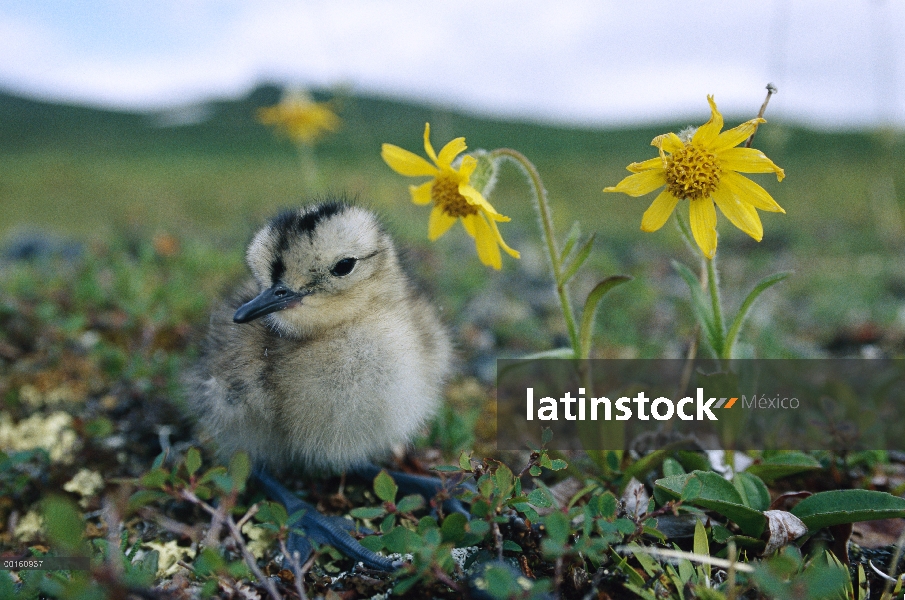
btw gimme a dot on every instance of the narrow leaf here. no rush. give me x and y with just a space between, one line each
192 461
571 238
581 255
759 289
700 305
590 309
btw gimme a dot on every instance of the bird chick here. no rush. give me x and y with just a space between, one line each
330 357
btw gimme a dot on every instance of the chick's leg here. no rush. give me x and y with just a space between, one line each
428 487
320 528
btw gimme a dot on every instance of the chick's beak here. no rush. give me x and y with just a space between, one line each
276 298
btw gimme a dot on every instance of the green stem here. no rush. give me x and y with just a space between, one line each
546 219
713 287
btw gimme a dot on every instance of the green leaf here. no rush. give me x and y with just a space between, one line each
453 528
385 487
607 505
558 527
571 239
586 328
546 436
465 461
366 512
691 490
784 464
478 527
192 461
753 491
144 497
672 467
401 540
581 255
759 289
504 480
535 471
824 509
700 305
64 523
154 479
555 353
540 498
511 546
240 469
701 546
558 464
410 503
717 495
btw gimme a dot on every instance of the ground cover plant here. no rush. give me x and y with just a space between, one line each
139 222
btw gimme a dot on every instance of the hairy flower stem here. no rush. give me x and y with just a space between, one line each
713 286
546 220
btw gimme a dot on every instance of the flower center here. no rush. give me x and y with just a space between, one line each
692 173
445 194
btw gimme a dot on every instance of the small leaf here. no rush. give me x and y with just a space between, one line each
558 465
581 255
511 546
540 498
366 512
465 461
192 461
558 526
699 305
701 546
535 471
672 467
154 479
759 289
691 490
571 238
546 436
478 527
410 503
847 506
453 528
240 469
64 523
591 305
607 505
144 497
504 480
385 487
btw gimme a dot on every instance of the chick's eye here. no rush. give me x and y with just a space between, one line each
343 267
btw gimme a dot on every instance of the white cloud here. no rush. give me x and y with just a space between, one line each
575 60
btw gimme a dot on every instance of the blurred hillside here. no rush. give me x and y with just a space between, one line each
213 173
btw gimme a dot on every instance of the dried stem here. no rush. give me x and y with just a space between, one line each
771 89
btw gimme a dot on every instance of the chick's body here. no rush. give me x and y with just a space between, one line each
346 359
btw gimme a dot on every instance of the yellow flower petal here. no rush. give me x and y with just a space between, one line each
669 142
421 194
652 163
740 213
749 160
708 132
640 183
499 239
475 198
450 151
469 225
427 143
406 163
439 223
469 164
703 225
751 192
735 136
488 250
655 216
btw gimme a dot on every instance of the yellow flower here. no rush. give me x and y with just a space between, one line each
453 195
705 170
302 119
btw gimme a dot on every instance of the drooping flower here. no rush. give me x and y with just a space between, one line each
302 119
704 168
453 195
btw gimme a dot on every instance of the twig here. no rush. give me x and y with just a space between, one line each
293 559
771 89
699 558
236 534
497 540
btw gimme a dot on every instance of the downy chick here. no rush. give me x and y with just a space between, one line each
330 357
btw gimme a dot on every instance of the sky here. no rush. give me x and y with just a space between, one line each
836 63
